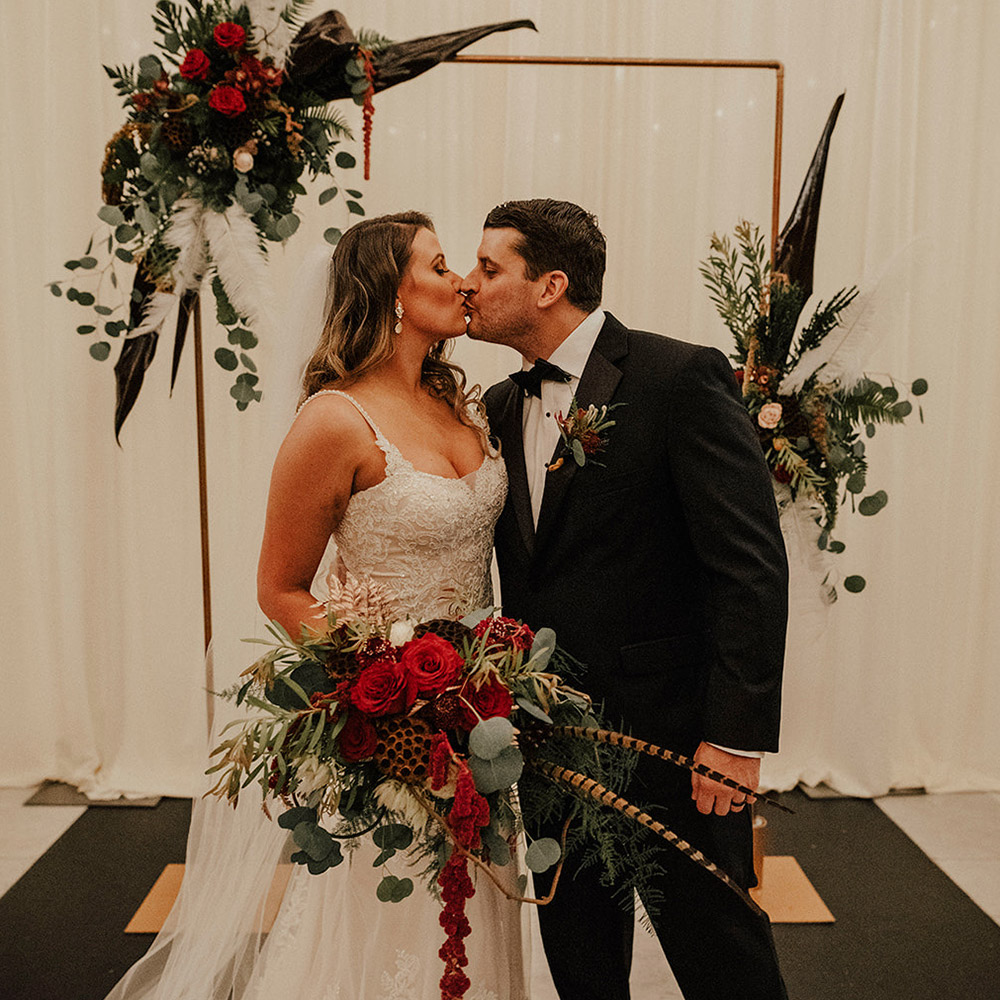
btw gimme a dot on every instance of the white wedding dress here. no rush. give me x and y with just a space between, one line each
429 540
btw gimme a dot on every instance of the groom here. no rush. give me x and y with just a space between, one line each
660 565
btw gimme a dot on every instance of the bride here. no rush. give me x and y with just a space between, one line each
390 455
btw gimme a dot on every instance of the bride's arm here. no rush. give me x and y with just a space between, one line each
310 486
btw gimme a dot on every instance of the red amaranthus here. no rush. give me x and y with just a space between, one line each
469 812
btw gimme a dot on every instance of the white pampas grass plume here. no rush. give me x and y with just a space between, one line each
184 232
241 263
845 349
155 314
270 32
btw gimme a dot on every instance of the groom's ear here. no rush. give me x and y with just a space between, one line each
554 286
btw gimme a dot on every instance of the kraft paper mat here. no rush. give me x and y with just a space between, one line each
785 894
153 910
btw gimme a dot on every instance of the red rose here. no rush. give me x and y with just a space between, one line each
195 66
358 738
738 375
229 36
227 100
381 689
491 699
433 663
782 474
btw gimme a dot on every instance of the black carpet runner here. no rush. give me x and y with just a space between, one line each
904 931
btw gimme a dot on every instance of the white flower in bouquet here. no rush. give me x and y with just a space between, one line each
401 632
312 774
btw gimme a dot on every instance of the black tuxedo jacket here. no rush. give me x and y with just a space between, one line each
663 570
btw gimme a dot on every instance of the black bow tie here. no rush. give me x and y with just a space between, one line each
541 371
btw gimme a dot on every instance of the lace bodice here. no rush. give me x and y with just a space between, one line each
427 538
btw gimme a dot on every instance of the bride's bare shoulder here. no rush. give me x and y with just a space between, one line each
328 420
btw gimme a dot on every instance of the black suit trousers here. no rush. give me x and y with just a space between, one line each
718 949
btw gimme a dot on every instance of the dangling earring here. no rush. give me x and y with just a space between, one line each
398 328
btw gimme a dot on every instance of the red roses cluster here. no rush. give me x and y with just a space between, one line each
249 79
426 669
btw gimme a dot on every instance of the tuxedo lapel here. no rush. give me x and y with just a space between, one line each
597 385
511 437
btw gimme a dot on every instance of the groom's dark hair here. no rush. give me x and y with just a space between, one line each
557 236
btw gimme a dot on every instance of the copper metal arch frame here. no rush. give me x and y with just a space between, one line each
767 64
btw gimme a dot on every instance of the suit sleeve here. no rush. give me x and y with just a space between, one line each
725 491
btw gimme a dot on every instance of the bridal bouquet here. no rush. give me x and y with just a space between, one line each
414 733
403 731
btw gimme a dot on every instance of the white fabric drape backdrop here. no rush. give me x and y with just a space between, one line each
100 587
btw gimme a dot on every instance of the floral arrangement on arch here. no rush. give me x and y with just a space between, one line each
812 405
205 173
415 733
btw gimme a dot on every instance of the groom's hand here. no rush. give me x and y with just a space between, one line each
709 796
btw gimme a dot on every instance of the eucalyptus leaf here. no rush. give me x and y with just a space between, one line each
88 262
100 350
473 618
268 192
145 218
226 359
103 310
919 387
86 329
287 225
498 847
353 193
344 160
902 409
491 737
533 710
542 854
854 584
126 255
869 430
332 235
355 208
542 648
297 814
328 195
499 773
85 298
111 214
394 890
856 482
149 167
836 547
393 836
873 504
55 289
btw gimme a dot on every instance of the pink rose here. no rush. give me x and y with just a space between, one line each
769 416
228 35
432 663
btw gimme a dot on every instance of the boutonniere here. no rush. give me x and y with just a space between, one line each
583 432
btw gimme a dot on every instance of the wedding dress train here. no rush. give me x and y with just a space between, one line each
429 540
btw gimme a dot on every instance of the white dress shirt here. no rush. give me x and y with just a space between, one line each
540 430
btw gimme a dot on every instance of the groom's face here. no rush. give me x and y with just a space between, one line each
501 301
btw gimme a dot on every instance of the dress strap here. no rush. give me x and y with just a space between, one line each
391 452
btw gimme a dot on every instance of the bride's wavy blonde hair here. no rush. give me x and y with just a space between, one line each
365 271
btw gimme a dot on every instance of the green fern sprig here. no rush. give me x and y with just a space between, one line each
825 318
